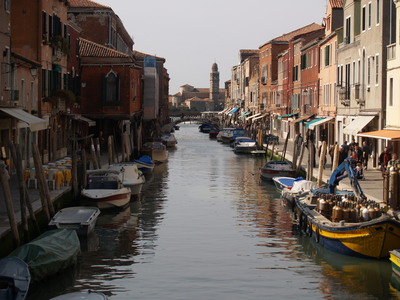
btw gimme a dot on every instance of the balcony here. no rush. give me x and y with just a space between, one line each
391 51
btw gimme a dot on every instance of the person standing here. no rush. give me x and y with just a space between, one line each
366 152
384 158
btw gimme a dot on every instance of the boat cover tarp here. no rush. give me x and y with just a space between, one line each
303 185
50 253
146 159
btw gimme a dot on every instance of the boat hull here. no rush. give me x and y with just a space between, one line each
104 199
371 239
395 260
80 219
277 169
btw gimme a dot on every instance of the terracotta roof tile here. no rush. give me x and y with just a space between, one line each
336 3
85 3
91 49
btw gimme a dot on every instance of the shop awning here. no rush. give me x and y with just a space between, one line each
287 116
357 125
35 123
260 117
246 113
234 110
308 124
301 119
228 111
319 121
223 111
253 116
384 134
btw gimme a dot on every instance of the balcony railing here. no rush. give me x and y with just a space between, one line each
391 51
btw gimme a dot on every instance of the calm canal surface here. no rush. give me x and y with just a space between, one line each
206 228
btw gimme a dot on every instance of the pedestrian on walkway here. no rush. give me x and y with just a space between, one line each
366 152
384 158
343 154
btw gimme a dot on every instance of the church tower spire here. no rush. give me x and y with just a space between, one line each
214 84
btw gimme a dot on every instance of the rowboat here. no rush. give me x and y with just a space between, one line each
14 278
277 168
50 253
80 218
282 182
156 150
105 189
145 164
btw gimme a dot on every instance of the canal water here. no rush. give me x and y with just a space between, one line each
206 228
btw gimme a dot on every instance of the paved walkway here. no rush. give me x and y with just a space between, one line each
372 186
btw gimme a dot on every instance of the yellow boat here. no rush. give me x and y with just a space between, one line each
373 236
395 259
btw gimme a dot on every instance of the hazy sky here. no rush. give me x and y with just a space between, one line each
192 35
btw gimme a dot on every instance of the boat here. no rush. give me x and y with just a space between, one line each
145 164
156 150
350 225
89 295
213 133
286 182
226 135
80 218
298 188
277 168
169 140
105 189
395 261
244 144
50 253
130 176
206 127
14 278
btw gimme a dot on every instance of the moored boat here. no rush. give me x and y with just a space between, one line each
105 189
14 278
169 140
156 150
282 182
80 218
130 176
244 144
50 253
395 261
145 164
348 224
277 168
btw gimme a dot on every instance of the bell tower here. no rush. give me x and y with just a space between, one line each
214 84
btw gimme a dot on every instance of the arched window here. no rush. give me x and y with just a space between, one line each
111 88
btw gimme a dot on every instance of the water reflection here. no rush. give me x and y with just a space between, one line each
206 227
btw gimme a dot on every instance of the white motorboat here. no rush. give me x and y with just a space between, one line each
105 189
80 218
169 140
130 176
244 144
226 135
156 150
277 168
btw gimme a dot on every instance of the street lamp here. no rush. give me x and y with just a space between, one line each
34 71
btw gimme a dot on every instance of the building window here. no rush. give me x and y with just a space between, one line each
295 76
111 88
327 55
378 11
44 26
354 72
7 5
348 30
391 92
369 15
377 69
369 71
363 15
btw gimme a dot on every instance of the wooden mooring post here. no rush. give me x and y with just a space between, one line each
5 183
